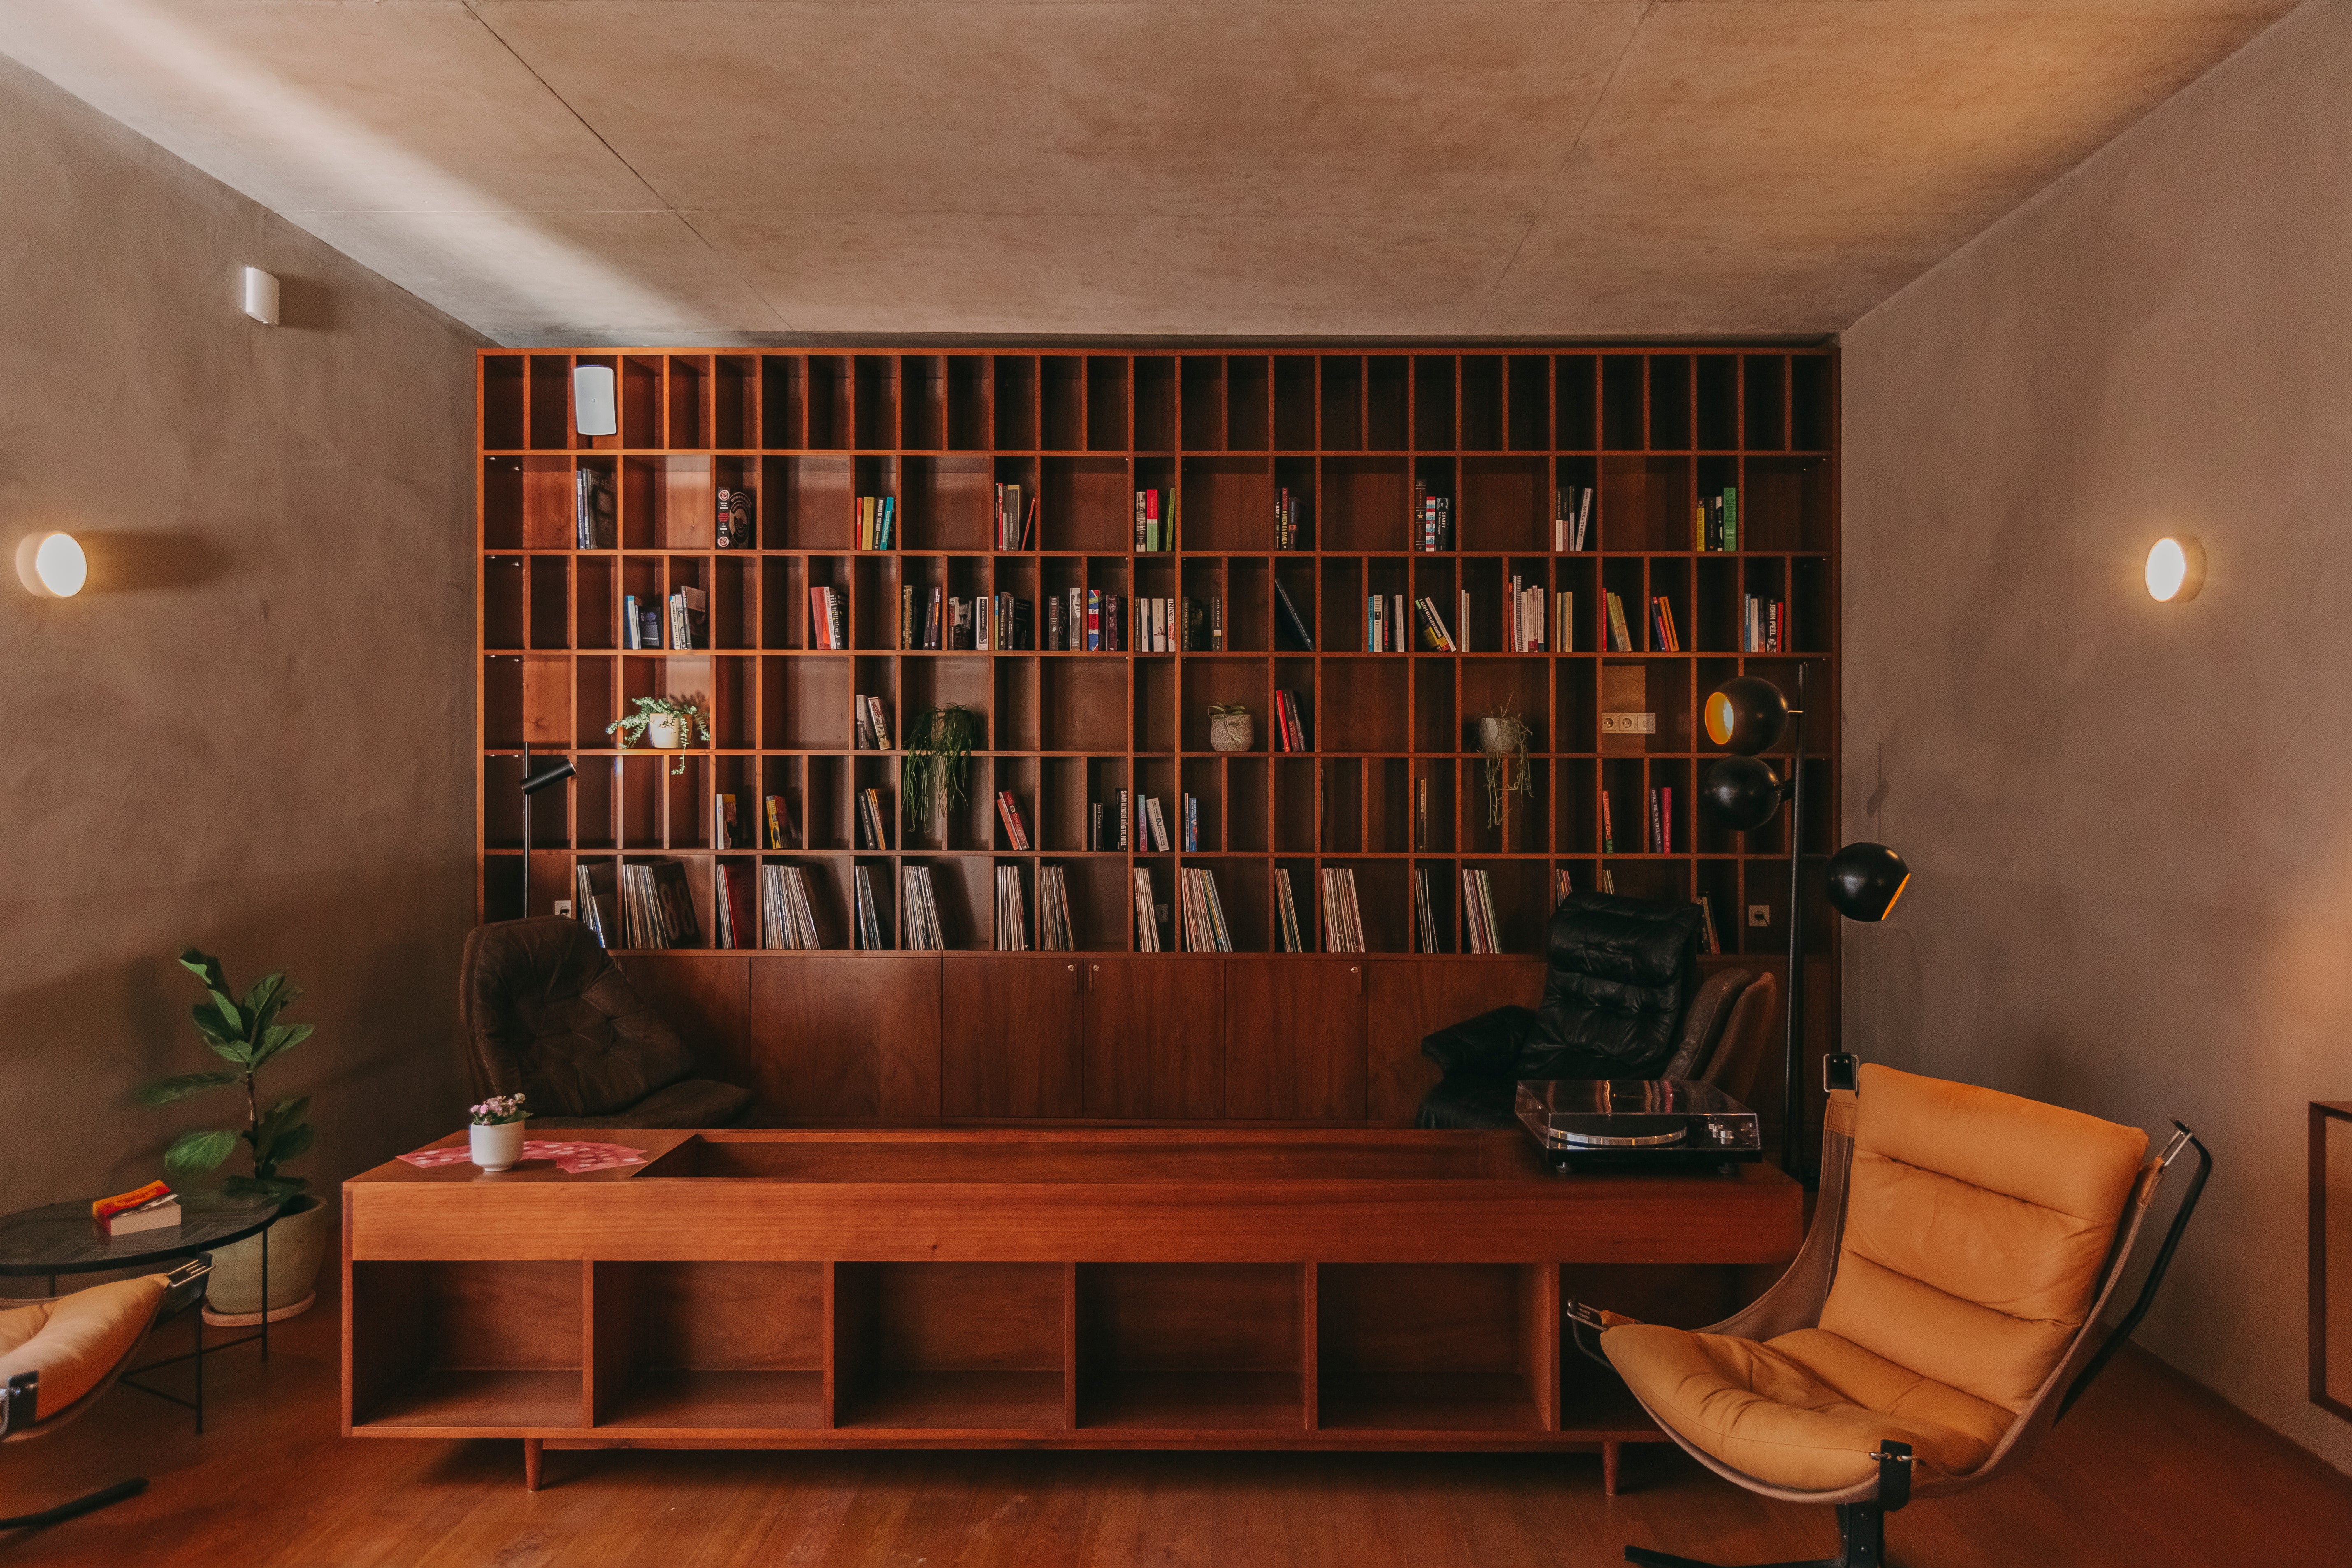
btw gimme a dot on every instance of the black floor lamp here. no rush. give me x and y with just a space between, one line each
1748 714
552 772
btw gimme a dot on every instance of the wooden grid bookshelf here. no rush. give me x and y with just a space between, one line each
1498 431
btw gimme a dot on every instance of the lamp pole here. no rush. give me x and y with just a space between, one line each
1792 1087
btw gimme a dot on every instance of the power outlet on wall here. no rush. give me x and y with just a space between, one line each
1759 914
563 906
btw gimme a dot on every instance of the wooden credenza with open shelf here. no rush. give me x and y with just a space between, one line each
1068 1288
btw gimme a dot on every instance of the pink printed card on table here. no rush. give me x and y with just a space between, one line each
576 1159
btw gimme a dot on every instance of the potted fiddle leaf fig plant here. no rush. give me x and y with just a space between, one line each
247 1036
664 723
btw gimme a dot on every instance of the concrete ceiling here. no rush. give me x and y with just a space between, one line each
719 171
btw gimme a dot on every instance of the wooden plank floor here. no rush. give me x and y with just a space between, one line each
2149 1472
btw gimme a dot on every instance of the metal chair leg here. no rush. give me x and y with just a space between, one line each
79 1506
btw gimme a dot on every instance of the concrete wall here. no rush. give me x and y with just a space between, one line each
2131 823
251 733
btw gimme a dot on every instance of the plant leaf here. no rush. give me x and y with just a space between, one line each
171 1089
233 1050
196 1154
229 1016
292 1143
204 967
278 1187
278 1037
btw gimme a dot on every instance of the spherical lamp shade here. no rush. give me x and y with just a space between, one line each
1746 715
1865 880
1742 793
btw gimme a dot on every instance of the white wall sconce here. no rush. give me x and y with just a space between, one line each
593 411
262 296
2176 569
52 566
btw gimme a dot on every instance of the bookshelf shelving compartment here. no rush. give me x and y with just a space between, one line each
1350 432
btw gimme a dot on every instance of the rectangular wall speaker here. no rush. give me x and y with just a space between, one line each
593 411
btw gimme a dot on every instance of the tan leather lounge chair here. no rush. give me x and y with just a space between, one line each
59 1355
1940 1316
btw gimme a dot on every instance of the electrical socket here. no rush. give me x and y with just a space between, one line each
563 906
1759 914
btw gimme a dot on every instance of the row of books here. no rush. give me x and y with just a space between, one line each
923 932
1147 913
593 515
682 622
1053 910
1343 923
1763 625
865 913
1085 620
1478 913
828 619
1289 724
1433 518
1425 937
1204 917
1286 519
636 905
1285 908
1660 824
1012 914
877 523
1525 628
1664 635
1718 523
1016 525
787 916
1571 517
931 619
1155 519
873 724
872 826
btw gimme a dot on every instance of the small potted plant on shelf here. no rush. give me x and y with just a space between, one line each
664 723
496 1130
247 1034
939 759
1503 740
1230 728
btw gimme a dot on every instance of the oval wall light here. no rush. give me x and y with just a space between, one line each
52 566
2176 569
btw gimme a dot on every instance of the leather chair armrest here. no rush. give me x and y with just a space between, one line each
1487 1046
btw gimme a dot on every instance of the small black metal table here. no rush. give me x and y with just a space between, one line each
62 1239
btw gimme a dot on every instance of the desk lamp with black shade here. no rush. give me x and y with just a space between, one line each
1748 714
552 772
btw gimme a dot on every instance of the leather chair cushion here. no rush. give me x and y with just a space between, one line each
1977 1226
75 1340
1804 1411
1703 1025
552 1015
1618 980
690 1102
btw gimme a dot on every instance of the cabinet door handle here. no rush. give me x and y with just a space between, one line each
1358 971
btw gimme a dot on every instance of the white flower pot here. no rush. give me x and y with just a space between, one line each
298 1246
497 1148
662 732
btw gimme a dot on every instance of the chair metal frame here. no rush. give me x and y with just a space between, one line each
22 1418
1795 1302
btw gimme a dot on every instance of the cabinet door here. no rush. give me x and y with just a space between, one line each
1155 1037
1295 1039
1009 1035
848 1039
1406 998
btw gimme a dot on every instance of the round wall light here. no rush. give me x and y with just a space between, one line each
52 566
2176 569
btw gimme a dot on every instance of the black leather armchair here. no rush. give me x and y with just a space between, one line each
549 1013
1621 1000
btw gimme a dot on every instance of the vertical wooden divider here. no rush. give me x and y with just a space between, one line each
830 1416
1539 1330
1070 1347
612 1315
1311 1347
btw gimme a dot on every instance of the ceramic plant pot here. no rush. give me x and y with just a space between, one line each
1496 735
497 1147
298 1246
662 732
1232 731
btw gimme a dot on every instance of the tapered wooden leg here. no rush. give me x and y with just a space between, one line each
1608 1452
531 1449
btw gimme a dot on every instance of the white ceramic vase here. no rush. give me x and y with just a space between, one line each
662 732
497 1148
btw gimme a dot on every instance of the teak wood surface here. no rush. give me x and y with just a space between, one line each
1069 1286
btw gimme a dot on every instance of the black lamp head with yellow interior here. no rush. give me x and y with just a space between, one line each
1747 714
1865 880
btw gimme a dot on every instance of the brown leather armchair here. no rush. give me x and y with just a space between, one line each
1943 1312
548 1013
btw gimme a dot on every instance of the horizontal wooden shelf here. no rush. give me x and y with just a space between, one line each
1182 1402
955 1401
674 1400
440 1402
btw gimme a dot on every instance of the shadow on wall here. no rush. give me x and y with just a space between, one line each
126 561
384 1069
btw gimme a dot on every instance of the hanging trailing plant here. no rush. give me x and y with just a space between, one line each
1502 737
939 759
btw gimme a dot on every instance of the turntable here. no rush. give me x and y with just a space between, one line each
1652 1125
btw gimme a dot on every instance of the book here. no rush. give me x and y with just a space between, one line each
1147 923
724 833
1604 880
870 819
876 722
1706 924
1478 913
1053 910
734 530
923 910
775 804
1203 916
1286 910
1424 912
1562 885
1012 912
1289 620
596 900
1157 837
1289 724
735 901
1434 629
1008 811
828 619
1343 923
1571 516
1608 827
592 507
1217 624
1192 825
1094 825
1621 635
152 1207
1010 517
1123 820
633 624
658 906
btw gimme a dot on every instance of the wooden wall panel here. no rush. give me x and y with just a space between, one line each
1408 998
1294 1039
708 1001
849 1038
1011 1028
1154 1037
